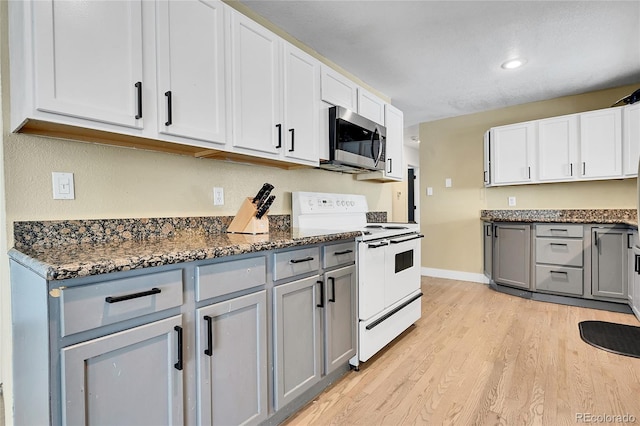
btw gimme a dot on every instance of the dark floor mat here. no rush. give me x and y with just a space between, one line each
617 338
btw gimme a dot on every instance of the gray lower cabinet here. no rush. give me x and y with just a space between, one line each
559 263
297 308
131 377
512 255
232 361
487 239
609 263
340 312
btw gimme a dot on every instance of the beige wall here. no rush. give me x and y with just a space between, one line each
453 148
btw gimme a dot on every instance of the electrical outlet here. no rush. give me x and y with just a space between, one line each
63 188
218 196
512 201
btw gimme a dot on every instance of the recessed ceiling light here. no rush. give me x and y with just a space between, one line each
513 63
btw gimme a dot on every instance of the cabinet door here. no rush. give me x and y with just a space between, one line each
601 143
131 377
631 139
301 104
340 317
337 89
558 148
631 264
512 255
88 60
394 150
256 92
635 305
297 309
486 176
609 263
512 149
232 361
190 55
370 106
488 248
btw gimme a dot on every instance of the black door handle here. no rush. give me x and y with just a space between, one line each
139 94
279 126
169 121
209 350
333 289
321 304
178 365
293 134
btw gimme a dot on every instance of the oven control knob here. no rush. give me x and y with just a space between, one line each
353 203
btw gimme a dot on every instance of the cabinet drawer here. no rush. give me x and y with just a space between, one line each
95 305
296 262
339 254
559 279
228 277
560 230
559 251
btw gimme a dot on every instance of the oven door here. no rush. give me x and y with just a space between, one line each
402 269
371 264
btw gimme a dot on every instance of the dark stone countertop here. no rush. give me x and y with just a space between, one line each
85 259
604 216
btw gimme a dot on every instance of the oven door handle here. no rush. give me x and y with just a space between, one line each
405 240
382 244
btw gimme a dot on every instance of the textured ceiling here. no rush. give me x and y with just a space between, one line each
438 59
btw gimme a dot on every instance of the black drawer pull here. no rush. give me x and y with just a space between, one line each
559 272
209 350
169 121
558 244
321 304
139 94
333 290
306 259
178 365
116 299
338 253
559 230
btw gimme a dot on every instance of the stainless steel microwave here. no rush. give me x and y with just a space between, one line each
356 143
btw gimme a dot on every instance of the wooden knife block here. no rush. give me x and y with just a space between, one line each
246 222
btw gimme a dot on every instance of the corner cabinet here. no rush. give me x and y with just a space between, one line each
87 62
512 255
631 139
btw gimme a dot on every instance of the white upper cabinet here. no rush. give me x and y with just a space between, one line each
88 60
601 143
338 90
255 86
558 148
190 69
301 104
631 139
394 152
370 106
512 149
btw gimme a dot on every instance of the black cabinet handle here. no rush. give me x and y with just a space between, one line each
558 244
178 365
529 172
637 266
571 168
279 126
321 304
169 121
559 272
293 135
338 253
559 230
306 259
390 165
139 94
488 230
209 350
116 299
333 289
584 168
629 246
484 176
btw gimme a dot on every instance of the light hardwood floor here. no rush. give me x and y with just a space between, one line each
481 357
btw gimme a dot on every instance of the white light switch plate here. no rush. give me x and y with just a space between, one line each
447 182
512 201
63 187
429 191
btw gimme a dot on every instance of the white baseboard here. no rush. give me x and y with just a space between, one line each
454 275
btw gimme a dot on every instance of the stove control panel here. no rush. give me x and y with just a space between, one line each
323 203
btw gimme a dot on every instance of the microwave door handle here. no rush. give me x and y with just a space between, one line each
375 164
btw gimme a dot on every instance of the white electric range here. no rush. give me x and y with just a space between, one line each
388 264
